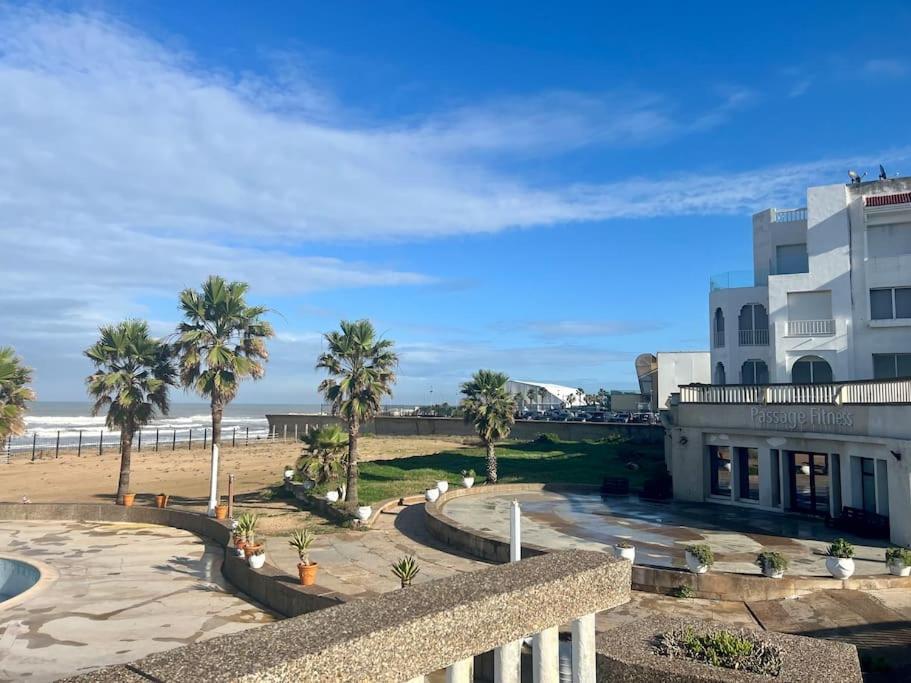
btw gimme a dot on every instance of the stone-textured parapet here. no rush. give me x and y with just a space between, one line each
626 654
400 635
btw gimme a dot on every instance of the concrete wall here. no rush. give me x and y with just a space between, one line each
676 368
523 430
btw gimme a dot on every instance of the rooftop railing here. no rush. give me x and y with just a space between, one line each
733 279
790 215
863 392
405 635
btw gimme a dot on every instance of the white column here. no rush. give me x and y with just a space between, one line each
545 656
784 475
459 672
213 481
417 679
515 532
583 630
507 663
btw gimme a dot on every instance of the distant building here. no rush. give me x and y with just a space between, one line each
663 374
544 396
626 402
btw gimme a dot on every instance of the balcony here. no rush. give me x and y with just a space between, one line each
864 392
790 215
811 328
758 337
733 279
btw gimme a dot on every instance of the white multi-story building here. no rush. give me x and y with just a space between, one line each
830 293
809 411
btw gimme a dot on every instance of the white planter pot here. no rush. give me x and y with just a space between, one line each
467 482
289 474
443 486
364 512
772 573
694 565
431 495
840 568
332 496
899 569
257 561
625 553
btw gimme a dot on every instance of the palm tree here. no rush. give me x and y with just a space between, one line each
14 393
542 394
491 408
361 370
133 372
532 396
221 342
322 462
570 400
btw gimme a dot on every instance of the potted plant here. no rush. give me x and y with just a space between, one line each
332 496
221 511
899 561
840 561
699 558
301 540
129 499
771 564
241 527
443 485
161 500
289 473
625 551
364 512
431 495
257 558
468 478
406 569
248 522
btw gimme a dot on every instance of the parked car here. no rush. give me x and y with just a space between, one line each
578 417
598 416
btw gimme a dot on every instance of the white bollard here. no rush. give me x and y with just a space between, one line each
583 631
507 663
213 482
459 672
515 532
545 656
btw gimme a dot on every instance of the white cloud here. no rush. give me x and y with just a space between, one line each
886 68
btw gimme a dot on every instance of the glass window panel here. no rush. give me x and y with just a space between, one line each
883 365
746 318
903 363
822 372
801 373
748 464
880 304
762 373
792 258
720 470
903 302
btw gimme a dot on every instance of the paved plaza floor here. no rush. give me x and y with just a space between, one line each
123 591
661 531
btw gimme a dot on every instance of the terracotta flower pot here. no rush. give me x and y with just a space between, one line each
221 512
129 499
250 548
239 545
161 500
307 573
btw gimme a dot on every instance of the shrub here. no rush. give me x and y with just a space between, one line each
899 555
681 592
301 540
841 549
468 473
774 561
547 437
406 569
624 544
703 553
741 651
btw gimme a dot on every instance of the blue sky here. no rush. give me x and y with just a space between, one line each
538 188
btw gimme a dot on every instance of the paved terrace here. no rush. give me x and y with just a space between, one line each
661 531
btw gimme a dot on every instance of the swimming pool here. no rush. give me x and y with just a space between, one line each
16 577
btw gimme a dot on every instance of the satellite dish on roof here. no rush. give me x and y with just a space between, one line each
855 179
882 173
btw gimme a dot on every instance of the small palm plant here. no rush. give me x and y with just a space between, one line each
324 460
246 527
14 393
491 409
301 540
406 569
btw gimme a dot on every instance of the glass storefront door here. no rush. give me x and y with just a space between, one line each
809 482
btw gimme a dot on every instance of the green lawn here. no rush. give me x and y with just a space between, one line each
583 462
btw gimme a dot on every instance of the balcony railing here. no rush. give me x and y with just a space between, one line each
758 337
733 279
894 391
790 215
811 328
408 634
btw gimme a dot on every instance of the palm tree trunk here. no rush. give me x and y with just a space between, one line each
126 447
218 410
491 463
351 488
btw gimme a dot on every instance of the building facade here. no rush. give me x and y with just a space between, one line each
544 396
661 375
808 411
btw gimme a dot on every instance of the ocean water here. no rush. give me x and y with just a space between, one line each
46 420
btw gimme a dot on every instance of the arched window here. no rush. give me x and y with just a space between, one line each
753 326
718 328
719 374
754 372
811 370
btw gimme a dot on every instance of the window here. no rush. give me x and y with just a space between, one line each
720 470
811 370
748 473
892 239
890 303
718 330
792 258
891 365
753 325
754 372
868 484
719 374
